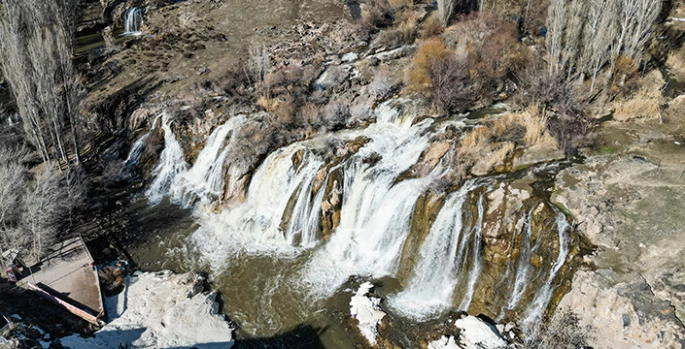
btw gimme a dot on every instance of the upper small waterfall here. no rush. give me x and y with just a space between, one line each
133 21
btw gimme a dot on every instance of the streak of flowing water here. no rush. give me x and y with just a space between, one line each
431 287
139 144
475 267
537 308
133 20
523 268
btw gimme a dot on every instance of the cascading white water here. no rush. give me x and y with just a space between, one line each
376 212
431 288
171 163
204 179
254 225
281 214
523 268
133 21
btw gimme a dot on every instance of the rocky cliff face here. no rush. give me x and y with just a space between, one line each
629 204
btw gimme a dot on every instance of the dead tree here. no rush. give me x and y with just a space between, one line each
36 51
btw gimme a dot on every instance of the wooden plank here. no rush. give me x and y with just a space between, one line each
72 309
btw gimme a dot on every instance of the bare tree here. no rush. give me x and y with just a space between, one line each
446 9
36 50
33 207
12 175
584 35
43 204
598 36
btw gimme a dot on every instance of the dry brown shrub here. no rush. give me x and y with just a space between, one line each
403 34
285 110
418 75
400 4
229 74
382 83
375 14
310 114
645 104
431 26
451 88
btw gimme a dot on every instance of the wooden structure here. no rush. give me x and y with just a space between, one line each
67 277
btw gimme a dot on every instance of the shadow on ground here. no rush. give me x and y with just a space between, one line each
301 337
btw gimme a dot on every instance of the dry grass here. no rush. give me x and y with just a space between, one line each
489 146
400 4
418 75
645 104
431 26
403 34
676 62
533 127
475 138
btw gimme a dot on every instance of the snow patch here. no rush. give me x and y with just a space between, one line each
367 311
444 343
477 334
160 310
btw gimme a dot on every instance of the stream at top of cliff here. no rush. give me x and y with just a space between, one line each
324 214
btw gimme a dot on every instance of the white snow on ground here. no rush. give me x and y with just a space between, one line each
476 334
444 343
367 311
160 310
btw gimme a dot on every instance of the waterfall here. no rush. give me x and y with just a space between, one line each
376 212
254 225
171 163
430 290
539 305
133 20
204 179
279 187
523 268
139 145
475 266
281 216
